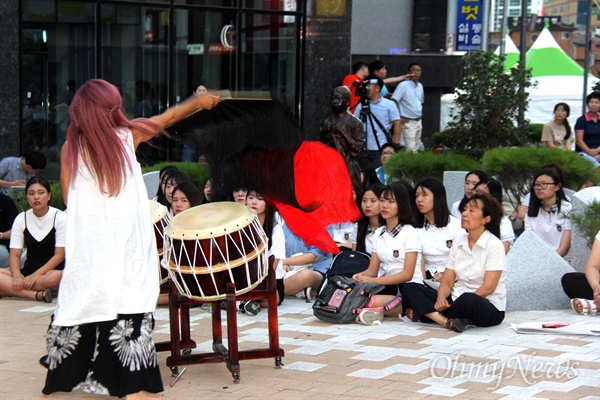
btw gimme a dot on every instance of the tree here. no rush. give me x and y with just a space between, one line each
486 115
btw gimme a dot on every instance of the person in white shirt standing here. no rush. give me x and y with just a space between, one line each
409 96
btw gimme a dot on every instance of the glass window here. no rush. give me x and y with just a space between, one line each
279 5
56 59
217 3
134 57
270 56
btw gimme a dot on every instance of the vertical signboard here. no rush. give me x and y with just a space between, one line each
469 25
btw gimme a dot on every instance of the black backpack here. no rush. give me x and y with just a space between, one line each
341 299
348 263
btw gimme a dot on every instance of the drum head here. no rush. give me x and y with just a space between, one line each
157 210
210 220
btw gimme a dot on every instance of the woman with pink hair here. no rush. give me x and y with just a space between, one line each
100 337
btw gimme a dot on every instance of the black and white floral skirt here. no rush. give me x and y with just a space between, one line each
114 358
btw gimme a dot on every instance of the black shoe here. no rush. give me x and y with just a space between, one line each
457 324
251 307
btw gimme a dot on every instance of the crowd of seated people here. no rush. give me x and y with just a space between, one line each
410 233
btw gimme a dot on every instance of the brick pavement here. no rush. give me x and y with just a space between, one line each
394 360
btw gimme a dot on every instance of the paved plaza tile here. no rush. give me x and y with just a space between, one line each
396 360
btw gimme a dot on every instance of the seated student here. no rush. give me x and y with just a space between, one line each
8 213
494 188
160 192
42 231
362 234
524 206
266 216
584 288
185 196
207 192
473 288
548 211
471 180
437 229
15 170
387 150
298 253
239 195
396 252
171 180
558 133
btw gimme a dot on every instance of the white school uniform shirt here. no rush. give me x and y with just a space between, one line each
470 266
454 210
277 249
507 233
391 248
368 238
550 225
342 233
436 244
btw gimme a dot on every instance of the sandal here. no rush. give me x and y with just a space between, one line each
457 325
410 314
46 295
588 307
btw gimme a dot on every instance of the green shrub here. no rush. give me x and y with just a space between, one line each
588 221
198 173
516 167
414 167
444 138
534 133
57 196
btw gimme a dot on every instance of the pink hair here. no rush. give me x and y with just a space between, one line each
96 114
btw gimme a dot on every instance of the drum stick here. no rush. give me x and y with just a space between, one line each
178 376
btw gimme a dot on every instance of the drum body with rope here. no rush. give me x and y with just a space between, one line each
209 246
161 219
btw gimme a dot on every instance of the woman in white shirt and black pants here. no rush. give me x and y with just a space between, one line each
473 288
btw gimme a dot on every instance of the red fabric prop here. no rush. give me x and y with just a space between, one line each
324 193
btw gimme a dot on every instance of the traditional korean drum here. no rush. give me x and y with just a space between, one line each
161 219
209 246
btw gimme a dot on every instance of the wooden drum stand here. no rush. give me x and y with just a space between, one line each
181 342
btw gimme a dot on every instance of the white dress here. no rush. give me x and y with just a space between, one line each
110 250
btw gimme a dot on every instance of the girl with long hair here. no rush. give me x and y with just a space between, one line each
160 192
471 180
185 196
170 181
266 216
437 229
41 230
548 212
558 132
494 189
362 235
110 284
396 254
472 290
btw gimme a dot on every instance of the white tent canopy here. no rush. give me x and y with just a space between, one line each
545 55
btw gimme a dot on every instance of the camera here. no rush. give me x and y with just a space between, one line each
362 88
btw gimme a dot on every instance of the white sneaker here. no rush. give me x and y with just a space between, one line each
368 317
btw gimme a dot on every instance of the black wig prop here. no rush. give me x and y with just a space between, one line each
257 143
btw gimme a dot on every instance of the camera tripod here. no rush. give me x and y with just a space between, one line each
367 118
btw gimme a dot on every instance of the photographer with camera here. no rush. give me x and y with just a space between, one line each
381 119
360 71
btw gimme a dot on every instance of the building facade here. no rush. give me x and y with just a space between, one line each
156 52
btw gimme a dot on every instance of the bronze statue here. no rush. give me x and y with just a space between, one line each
345 133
